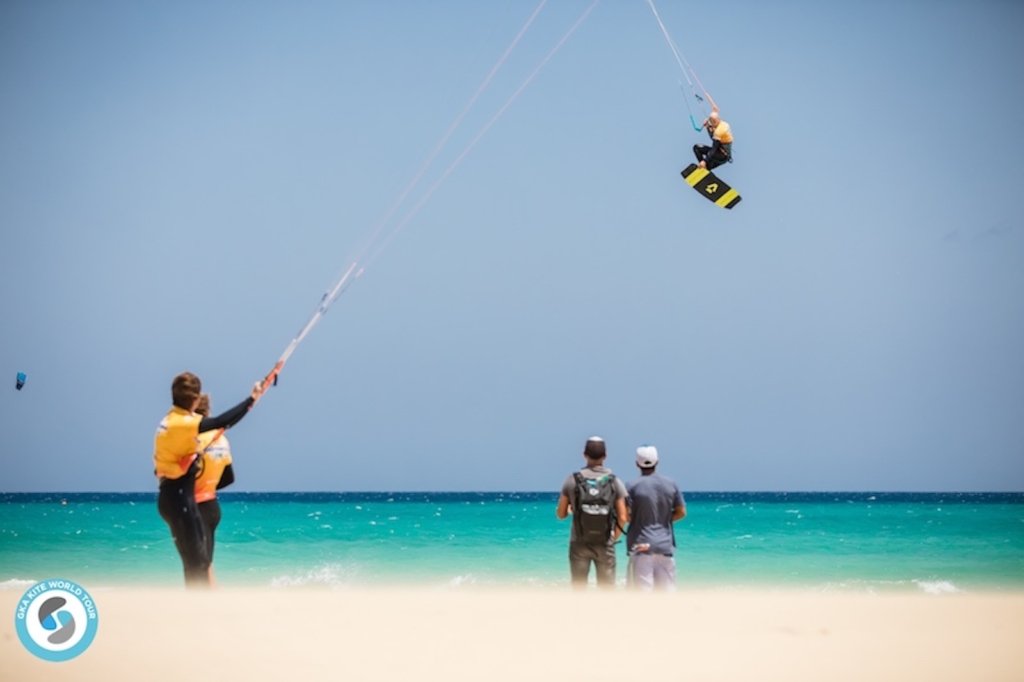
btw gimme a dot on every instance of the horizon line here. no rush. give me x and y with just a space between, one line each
522 492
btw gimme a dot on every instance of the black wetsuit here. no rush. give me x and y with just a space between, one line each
178 508
209 514
209 511
715 155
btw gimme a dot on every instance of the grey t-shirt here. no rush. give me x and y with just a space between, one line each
569 490
652 500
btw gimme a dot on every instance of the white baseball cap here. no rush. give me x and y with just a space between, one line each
647 456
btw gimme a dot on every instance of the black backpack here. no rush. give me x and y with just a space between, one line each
594 514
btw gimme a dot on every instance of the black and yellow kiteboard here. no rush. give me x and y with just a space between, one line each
707 184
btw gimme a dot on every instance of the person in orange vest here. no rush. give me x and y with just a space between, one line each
215 472
176 462
720 150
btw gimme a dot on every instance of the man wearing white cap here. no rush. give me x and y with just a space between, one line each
655 504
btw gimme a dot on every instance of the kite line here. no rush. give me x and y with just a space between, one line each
687 70
359 264
483 131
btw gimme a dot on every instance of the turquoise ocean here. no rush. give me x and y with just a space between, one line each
870 542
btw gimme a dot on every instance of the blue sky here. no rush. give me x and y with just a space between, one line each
181 182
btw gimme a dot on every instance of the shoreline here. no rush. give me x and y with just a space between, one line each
539 633
914 587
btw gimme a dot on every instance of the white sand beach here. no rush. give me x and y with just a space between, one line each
420 634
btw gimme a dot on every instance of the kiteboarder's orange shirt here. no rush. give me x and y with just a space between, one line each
723 133
176 442
216 456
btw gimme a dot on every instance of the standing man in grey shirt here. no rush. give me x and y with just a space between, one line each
596 498
655 504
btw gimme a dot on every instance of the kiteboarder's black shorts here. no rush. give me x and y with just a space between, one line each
703 153
209 511
177 505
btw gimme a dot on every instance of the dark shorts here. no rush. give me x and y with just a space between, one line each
703 153
603 558
177 505
209 511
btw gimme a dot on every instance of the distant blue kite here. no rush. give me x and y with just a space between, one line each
21 381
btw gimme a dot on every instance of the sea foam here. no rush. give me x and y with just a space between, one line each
331 575
937 586
16 584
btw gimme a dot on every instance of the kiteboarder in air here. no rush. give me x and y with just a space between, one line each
699 175
720 150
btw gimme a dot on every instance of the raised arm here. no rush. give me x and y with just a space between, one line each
228 419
